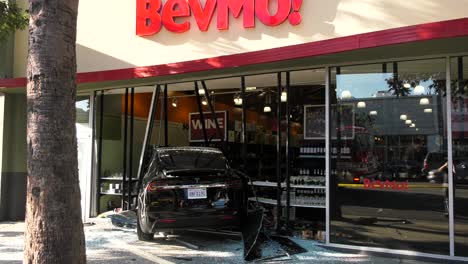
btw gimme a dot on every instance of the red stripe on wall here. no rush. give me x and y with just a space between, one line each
430 31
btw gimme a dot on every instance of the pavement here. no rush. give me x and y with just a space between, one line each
106 243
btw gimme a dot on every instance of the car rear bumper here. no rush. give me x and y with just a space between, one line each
171 222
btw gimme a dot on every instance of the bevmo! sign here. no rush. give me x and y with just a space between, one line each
152 15
196 127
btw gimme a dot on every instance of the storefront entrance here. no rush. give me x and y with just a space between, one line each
353 155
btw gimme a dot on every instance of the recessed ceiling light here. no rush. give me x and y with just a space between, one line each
424 101
267 109
403 117
428 110
408 122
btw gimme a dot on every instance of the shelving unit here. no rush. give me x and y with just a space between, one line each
283 203
115 179
273 184
304 156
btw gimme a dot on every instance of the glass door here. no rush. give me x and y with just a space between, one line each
459 87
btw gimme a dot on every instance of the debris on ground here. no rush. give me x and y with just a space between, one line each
121 219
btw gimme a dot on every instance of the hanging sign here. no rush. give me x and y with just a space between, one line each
196 127
152 15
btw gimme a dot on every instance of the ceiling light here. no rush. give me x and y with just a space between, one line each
407 85
419 89
417 129
204 102
346 94
267 109
237 100
413 125
428 110
424 101
373 113
284 97
252 88
201 91
403 117
174 102
408 122
361 105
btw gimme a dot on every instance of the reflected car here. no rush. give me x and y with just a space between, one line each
460 173
189 187
405 170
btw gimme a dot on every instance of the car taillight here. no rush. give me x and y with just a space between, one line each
356 179
153 186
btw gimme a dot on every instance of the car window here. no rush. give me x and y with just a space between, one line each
191 159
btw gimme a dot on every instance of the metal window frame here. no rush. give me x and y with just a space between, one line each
327 154
450 156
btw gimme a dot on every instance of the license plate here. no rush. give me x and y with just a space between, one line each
197 193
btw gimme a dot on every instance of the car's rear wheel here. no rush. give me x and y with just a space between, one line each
141 234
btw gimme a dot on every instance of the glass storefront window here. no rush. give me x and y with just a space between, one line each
459 87
389 145
307 150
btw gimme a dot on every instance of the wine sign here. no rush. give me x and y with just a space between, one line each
152 15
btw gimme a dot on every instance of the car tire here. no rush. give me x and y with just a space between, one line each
142 236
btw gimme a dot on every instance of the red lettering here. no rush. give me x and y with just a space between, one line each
295 17
235 6
367 184
203 16
377 184
151 15
173 9
263 13
148 20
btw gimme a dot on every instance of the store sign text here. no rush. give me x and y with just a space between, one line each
152 15
385 185
196 133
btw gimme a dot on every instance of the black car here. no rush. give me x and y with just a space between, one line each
189 187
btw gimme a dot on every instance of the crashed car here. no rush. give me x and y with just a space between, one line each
189 187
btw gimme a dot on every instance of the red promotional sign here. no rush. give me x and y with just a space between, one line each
152 15
196 127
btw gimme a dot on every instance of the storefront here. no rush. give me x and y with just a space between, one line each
350 115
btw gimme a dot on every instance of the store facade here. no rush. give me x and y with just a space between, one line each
348 114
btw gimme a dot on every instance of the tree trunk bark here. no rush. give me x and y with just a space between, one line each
54 230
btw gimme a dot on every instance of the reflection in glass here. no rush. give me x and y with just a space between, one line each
387 178
460 152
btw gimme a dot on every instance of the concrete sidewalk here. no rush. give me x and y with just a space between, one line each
108 244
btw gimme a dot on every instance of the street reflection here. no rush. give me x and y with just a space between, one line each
390 190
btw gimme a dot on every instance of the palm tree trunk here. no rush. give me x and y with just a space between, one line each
54 231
